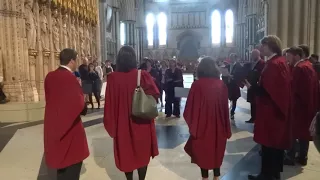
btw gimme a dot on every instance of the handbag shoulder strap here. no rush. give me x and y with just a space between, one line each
139 78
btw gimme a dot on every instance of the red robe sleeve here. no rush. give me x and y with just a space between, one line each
192 111
109 120
148 85
225 111
71 95
276 82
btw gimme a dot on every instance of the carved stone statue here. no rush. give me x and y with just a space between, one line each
44 29
55 33
65 31
88 41
82 39
30 25
73 35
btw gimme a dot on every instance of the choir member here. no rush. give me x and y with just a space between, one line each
207 116
305 92
314 58
134 139
235 81
272 125
65 142
255 69
173 78
306 52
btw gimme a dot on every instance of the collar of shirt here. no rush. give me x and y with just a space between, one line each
270 57
298 62
66 67
255 63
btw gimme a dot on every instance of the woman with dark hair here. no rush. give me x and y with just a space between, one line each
272 128
96 85
207 116
152 71
134 139
173 78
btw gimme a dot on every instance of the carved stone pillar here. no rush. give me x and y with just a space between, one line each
129 33
32 69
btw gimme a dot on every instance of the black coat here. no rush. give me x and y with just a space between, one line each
253 77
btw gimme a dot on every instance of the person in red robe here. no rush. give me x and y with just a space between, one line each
305 92
65 142
206 113
272 126
134 139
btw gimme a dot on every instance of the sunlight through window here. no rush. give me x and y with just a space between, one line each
122 33
162 26
229 26
150 24
216 27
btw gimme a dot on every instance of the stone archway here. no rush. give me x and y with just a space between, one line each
188 45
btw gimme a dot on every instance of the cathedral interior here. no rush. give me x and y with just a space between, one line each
33 32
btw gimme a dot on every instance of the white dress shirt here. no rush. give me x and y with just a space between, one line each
99 71
270 57
66 67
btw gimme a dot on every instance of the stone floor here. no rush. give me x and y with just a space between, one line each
21 146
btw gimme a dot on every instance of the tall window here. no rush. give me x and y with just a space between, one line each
216 27
150 21
122 33
162 29
229 26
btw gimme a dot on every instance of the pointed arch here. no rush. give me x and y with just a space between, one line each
150 21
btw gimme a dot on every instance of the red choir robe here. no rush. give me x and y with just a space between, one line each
207 115
65 141
272 126
305 89
134 139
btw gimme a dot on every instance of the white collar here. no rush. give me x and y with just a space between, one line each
66 67
298 62
270 57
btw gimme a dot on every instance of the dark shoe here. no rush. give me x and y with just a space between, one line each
177 116
288 162
260 177
168 115
302 162
232 115
250 121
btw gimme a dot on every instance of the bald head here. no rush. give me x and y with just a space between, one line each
255 55
85 61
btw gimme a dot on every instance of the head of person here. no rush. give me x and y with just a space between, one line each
172 63
233 58
126 59
68 57
306 51
85 61
255 55
284 51
314 58
91 67
293 55
95 63
271 45
108 63
208 68
164 64
149 63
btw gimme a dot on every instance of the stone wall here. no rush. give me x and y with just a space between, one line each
33 32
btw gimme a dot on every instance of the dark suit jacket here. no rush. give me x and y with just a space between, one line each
253 76
236 81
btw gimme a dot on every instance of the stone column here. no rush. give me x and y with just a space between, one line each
273 17
317 47
284 25
128 17
296 23
305 34
98 37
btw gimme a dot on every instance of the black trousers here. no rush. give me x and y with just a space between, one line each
70 173
253 110
97 96
205 172
176 106
142 172
272 162
233 106
300 146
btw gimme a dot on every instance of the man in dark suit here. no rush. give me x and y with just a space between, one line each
254 69
235 81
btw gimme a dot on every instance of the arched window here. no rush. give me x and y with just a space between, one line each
150 21
216 27
162 29
122 33
229 26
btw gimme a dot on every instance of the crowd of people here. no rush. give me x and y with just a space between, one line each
283 92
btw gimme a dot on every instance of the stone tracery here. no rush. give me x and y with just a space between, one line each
34 33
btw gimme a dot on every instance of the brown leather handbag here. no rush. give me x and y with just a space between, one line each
143 106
